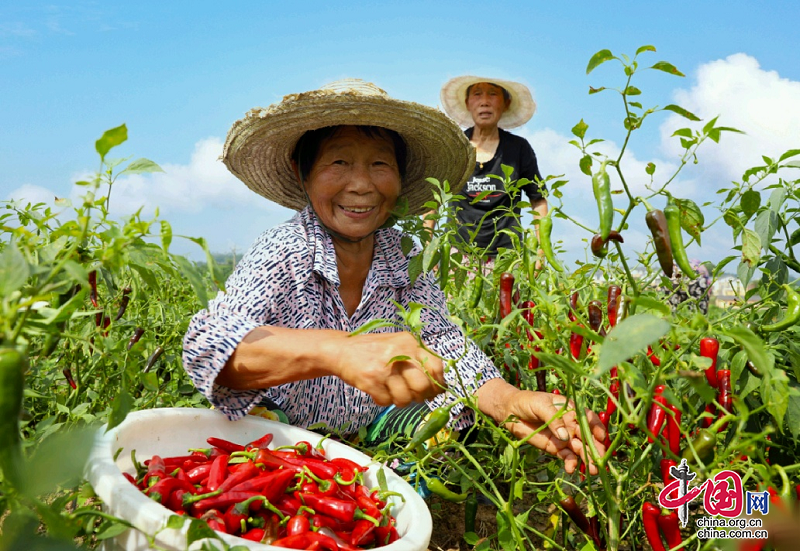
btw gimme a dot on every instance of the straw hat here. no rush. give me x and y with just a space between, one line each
454 94
259 147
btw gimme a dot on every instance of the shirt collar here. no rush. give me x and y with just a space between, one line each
389 265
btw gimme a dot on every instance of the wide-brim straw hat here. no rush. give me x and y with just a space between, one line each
454 94
258 149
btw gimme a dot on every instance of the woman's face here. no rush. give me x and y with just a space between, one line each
486 104
354 183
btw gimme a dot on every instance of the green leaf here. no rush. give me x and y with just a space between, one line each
776 200
14 269
685 132
120 407
586 165
593 90
774 391
793 411
192 274
113 530
681 111
630 336
382 480
580 129
49 467
753 346
745 272
372 325
647 48
140 166
110 139
667 68
415 268
751 201
790 153
406 244
199 530
751 248
651 303
504 534
692 218
176 522
166 235
765 226
650 169
632 91
430 254
558 361
600 57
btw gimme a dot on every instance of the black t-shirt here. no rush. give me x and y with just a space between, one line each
513 151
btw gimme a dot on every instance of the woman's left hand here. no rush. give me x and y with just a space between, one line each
552 415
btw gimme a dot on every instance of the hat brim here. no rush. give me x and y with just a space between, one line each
258 149
454 94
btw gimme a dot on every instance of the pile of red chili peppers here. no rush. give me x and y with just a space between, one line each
291 496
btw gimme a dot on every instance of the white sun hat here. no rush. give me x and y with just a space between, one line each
258 149
454 94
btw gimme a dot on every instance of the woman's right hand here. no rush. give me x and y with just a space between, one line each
365 362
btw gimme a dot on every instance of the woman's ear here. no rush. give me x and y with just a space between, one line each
296 171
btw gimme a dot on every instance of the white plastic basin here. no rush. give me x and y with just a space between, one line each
172 431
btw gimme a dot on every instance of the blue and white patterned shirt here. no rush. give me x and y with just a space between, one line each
289 278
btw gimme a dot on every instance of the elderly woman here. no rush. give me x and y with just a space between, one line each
489 106
344 156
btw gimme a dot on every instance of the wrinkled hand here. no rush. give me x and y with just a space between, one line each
561 436
363 361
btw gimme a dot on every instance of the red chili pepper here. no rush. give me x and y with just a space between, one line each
199 473
261 443
709 348
340 509
247 471
725 393
604 418
137 334
363 533
657 414
254 534
506 294
123 305
614 292
304 541
578 517
666 464
708 419
298 524
156 469
224 445
386 533
216 524
575 345
93 288
270 485
670 528
650 514
218 472
160 490
68 376
674 430
573 305
175 499
595 315
653 358
346 466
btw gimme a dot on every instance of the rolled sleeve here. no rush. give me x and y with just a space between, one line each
215 332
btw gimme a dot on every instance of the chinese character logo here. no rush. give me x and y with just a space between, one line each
722 494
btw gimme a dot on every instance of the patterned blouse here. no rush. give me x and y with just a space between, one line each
289 278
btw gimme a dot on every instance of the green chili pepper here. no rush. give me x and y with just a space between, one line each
470 512
437 487
444 265
532 250
545 229
657 223
12 369
477 291
601 186
792 314
703 444
673 215
436 422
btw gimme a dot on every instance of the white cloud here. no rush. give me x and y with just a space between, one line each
746 97
201 184
28 193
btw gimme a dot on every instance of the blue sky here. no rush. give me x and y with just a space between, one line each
180 73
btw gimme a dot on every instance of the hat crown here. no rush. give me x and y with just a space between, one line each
354 86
